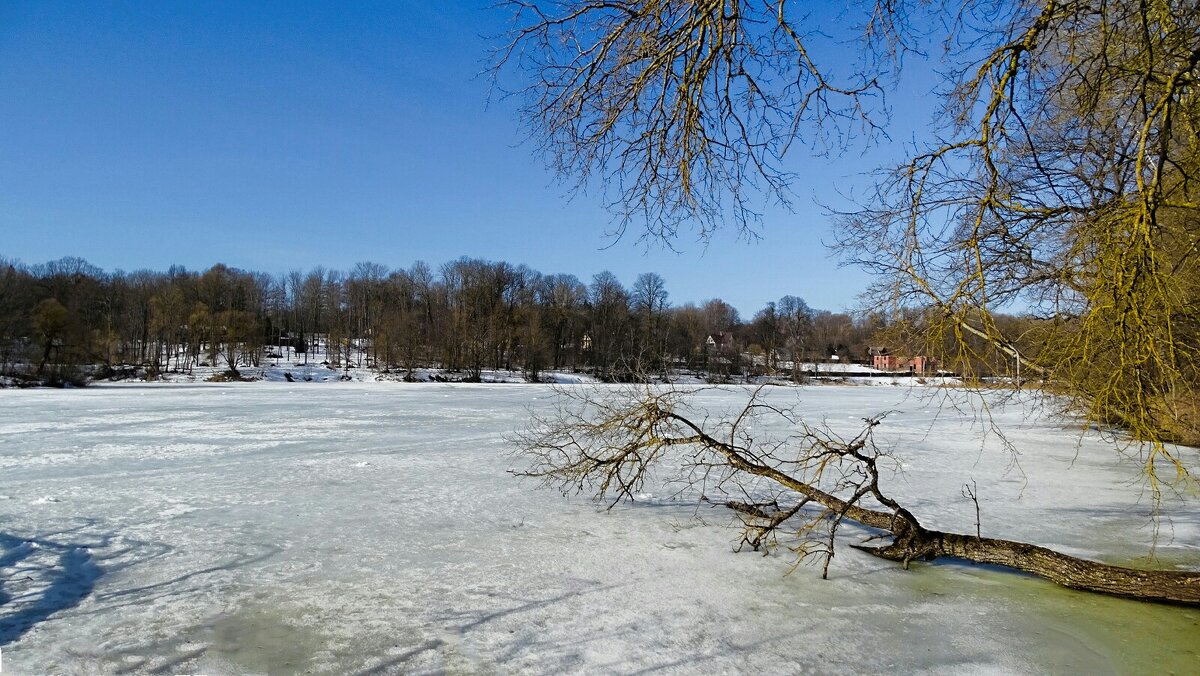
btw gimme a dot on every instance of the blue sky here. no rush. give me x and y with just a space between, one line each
282 136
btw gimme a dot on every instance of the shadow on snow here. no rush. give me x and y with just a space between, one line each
49 573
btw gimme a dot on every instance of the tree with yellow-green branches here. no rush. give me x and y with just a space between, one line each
1061 183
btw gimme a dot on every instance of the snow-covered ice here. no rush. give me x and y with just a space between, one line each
373 527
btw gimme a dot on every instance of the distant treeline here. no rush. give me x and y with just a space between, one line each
60 318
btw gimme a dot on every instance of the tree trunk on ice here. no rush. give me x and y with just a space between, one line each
609 441
1069 571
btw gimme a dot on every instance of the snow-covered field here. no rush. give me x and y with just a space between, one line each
373 527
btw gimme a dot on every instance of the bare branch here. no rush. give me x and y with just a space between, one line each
680 111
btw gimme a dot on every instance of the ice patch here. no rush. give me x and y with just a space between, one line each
390 536
176 510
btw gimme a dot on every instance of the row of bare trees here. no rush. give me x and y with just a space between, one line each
468 315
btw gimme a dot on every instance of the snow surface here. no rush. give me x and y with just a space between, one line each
373 527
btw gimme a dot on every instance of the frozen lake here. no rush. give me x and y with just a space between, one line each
347 528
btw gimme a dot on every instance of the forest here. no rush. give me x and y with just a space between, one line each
66 320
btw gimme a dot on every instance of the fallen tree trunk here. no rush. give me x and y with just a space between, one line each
609 442
1161 586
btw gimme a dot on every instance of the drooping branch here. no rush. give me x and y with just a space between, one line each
1063 182
681 110
609 442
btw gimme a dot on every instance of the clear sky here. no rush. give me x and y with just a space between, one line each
275 136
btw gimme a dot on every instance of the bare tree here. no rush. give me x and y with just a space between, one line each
609 322
648 304
563 297
795 320
808 483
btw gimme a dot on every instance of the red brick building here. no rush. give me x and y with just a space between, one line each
885 360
